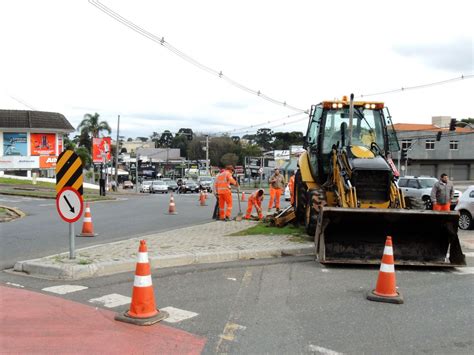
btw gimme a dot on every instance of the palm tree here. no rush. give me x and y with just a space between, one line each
91 125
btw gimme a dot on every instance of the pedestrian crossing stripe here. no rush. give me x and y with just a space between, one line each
69 171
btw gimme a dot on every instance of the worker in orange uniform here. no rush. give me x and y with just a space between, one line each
224 193
277 184
442 193
255 199
291 187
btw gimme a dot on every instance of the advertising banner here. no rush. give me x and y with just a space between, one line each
18 163
60 144
14 144
43 143
101 147
48 161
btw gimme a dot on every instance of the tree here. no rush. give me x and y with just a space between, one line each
85 157
250 138
130 139
264 138
181 142
166 139
155 137
142 139
92 126
229 159
235 139
188 132
283 140
84 140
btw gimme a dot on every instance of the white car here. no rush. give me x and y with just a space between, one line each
159 186
145 186
465 207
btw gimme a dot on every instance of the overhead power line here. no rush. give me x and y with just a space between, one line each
422 86
266 123
184 56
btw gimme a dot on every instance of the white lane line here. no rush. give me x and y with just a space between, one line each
46 204
469 254
324 270
64 289
16 285
112 300
177 315
232 279
464 270
321 350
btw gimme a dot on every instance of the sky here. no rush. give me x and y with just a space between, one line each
71 57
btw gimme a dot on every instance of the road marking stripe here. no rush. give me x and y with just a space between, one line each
142 281
177 315
469 254
321 350
464 270
229 331
112 300
64 289
232 279
16 285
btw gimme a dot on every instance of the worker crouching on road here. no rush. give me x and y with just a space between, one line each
277 184
255 199
442 194
224 193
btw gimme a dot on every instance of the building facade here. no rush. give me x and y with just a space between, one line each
433 150
30 141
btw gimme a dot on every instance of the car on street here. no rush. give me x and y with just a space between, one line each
206 183
127 184
465 207
159 186
145 186
172 185
189 186
419 188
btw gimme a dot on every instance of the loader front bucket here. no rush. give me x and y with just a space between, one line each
357 236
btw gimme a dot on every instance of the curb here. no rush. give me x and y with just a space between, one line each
65 271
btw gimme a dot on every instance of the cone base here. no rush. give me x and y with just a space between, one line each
172 213
87 235
371 296
124 317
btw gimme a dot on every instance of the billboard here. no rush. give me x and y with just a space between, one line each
14 144
101 147
48 161
43 143
18 162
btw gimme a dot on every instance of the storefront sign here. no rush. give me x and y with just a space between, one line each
43 143
14 144
48 162
18 163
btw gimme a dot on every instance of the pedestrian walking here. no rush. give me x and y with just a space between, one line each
277 184
255 200
442 194
224 193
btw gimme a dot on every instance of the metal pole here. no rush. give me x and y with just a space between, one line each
72 252
136 173
117 154
399 157
207 156
351 116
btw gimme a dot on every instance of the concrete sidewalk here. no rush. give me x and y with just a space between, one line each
205 243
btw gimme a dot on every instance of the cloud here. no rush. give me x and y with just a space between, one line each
231 105
456 55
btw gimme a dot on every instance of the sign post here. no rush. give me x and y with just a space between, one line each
69 190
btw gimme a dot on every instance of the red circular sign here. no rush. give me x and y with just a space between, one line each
69 204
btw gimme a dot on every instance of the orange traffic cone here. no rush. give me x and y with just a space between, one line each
243 196
202 199
386 289
87 227
143 309
172 206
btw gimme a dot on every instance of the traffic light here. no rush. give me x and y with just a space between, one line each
404 154
438 136
452 124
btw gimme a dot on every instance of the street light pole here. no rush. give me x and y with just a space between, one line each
136 172
207 155
117 153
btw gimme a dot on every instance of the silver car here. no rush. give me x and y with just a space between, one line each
145 186
159 186
465 207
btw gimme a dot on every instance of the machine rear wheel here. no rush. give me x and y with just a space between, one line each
301 198
317 199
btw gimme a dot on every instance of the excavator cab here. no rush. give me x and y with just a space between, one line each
347 194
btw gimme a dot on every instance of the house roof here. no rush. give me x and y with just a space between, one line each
425 127
34 120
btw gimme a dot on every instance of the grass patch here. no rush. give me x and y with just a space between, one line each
8 181
263 229
84 262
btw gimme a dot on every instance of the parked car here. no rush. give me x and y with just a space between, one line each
159 186
189 185
145 186
419 188
127 184
172 185
465 207
206 183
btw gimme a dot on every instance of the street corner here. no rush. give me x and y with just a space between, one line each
86 329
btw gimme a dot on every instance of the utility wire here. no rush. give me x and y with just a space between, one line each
186 57
462 77
259 124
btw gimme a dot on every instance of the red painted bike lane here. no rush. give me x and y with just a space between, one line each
31 322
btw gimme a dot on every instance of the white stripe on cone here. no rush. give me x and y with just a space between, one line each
388 250
142 281
387 268
142 258
88 209
87 219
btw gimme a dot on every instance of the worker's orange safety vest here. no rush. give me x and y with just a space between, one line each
223 181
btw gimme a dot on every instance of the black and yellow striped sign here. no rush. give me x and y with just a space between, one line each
69 171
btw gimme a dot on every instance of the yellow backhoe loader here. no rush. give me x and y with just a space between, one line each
347 195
